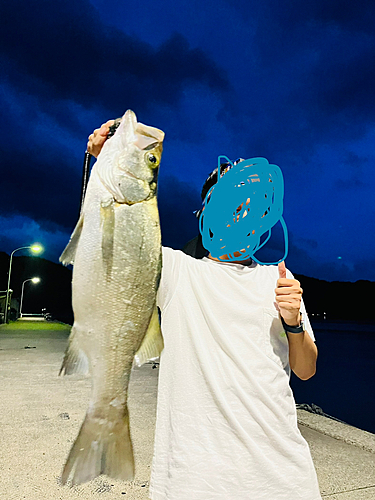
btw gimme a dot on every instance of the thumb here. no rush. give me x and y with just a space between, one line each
282 270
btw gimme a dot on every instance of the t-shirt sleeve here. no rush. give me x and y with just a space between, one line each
169 277
305 317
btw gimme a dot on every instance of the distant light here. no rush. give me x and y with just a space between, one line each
339 258
36 248
35 280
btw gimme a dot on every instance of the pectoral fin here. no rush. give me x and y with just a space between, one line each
152 344
67 257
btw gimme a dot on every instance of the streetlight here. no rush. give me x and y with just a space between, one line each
34 280
36 248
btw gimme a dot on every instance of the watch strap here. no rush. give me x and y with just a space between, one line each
293 329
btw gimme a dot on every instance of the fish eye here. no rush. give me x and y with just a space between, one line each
151 158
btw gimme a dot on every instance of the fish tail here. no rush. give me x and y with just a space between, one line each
102 447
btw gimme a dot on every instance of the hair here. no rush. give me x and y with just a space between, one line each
212 179
195 246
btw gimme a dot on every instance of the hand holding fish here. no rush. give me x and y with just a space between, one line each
288 297
97 138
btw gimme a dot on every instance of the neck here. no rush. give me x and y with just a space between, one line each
226 258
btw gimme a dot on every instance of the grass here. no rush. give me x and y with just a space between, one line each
34 326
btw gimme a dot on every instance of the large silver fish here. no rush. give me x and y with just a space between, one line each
116 251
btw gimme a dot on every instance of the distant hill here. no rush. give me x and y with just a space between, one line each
339 300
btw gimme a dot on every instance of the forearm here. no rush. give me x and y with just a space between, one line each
302 355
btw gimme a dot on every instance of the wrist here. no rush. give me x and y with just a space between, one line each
295 326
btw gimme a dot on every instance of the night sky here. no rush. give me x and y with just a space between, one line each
291 81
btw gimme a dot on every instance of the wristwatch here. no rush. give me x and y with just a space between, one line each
293 329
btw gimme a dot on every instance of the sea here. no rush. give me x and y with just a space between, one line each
343 386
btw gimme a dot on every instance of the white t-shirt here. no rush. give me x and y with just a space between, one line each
226 424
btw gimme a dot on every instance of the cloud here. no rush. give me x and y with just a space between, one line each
349 184
310 76
334 46
177 200
292 84
66 47
356 165
355 161
284 17
365 269
52 221
352 17
305 260
19 231
32 187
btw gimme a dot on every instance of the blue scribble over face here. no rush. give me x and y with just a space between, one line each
244 204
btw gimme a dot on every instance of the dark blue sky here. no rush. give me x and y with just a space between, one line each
290 81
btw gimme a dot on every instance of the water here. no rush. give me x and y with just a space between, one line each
343 385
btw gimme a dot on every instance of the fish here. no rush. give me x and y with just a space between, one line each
115 250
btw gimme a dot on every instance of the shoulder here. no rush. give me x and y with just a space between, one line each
176 257
169 251
172 253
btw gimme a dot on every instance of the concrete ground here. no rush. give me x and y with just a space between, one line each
41 414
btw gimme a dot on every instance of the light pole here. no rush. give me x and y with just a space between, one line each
35 249
34 280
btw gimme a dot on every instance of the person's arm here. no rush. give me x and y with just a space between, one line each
302 355
98 138
303 352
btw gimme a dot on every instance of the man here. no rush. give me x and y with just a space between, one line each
226 419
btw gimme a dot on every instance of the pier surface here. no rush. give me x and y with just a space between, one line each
41 414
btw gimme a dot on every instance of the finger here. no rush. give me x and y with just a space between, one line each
286 290
104 132
288 306
287 282
294 295
89 142
289 298
282 270
104 129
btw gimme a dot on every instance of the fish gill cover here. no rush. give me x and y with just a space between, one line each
241 207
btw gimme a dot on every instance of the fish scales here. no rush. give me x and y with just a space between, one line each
109 303
116 248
